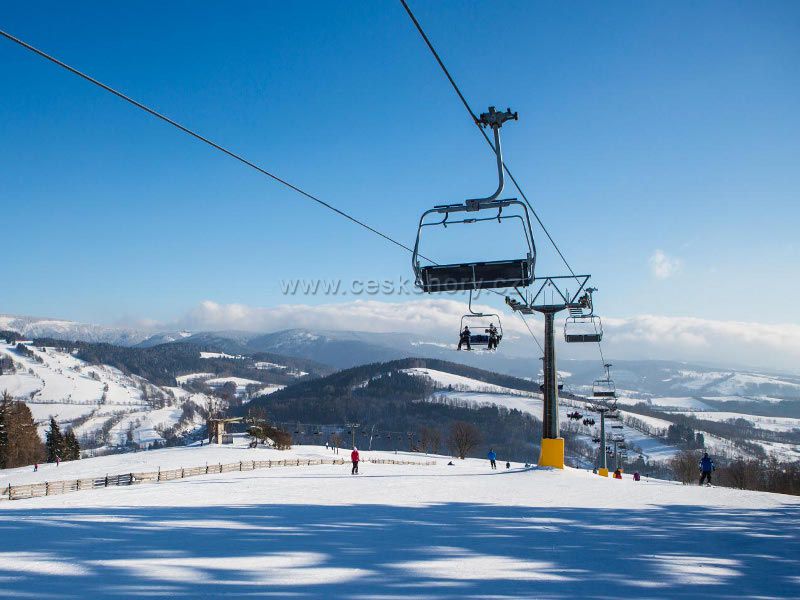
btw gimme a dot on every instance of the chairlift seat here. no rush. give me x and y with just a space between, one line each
583 329
582 337
475 276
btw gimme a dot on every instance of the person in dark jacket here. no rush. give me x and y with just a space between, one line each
355 458
464 338
494 337
707 466
492 456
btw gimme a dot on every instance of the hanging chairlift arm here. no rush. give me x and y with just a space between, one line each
495 120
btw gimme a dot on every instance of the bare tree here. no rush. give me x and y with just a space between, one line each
742 474
684 465
430 439
336 442
463 438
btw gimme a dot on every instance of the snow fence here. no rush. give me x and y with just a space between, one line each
52 488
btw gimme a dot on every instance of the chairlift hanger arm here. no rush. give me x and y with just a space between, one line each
495 120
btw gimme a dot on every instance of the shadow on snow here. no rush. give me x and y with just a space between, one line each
453 550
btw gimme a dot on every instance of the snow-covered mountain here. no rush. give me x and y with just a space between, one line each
643 379
34 327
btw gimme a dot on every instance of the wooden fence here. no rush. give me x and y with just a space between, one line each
52 488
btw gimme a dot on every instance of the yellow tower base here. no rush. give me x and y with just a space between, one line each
552 454
602 472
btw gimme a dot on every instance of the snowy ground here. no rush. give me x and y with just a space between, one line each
398 532
768 423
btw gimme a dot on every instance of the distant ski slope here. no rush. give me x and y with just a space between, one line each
56 384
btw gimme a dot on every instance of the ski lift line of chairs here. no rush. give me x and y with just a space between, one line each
581 326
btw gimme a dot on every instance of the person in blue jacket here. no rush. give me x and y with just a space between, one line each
706 467
492 458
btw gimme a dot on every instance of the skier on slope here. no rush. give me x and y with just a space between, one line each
707 466
492 456
355 458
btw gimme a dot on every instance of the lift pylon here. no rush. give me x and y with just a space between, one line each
550 298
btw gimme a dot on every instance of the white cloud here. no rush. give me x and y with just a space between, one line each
639 337
425 317
664 266
775 345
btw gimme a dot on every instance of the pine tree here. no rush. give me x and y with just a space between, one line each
54 443
72 449
24 445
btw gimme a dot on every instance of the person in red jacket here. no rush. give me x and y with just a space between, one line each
355 458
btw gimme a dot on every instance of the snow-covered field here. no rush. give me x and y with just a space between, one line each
86 397
458 382
395 532
666 403
768 423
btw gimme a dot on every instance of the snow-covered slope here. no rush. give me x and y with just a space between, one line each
92 398
460 531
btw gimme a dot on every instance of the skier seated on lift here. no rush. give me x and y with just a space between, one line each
585 301
464 338
494 338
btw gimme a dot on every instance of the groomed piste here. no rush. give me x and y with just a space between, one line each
460 531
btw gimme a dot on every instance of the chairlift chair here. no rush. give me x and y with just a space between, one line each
604 387
479 331
478 275
581 326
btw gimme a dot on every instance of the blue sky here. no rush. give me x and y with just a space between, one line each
644 127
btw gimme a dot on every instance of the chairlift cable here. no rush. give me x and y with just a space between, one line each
217 146
535 339
483 133
197 136
475 120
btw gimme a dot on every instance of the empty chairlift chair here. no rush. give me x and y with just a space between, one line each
604 388
478 275
582 326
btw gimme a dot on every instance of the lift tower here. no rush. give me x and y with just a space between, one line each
552 297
